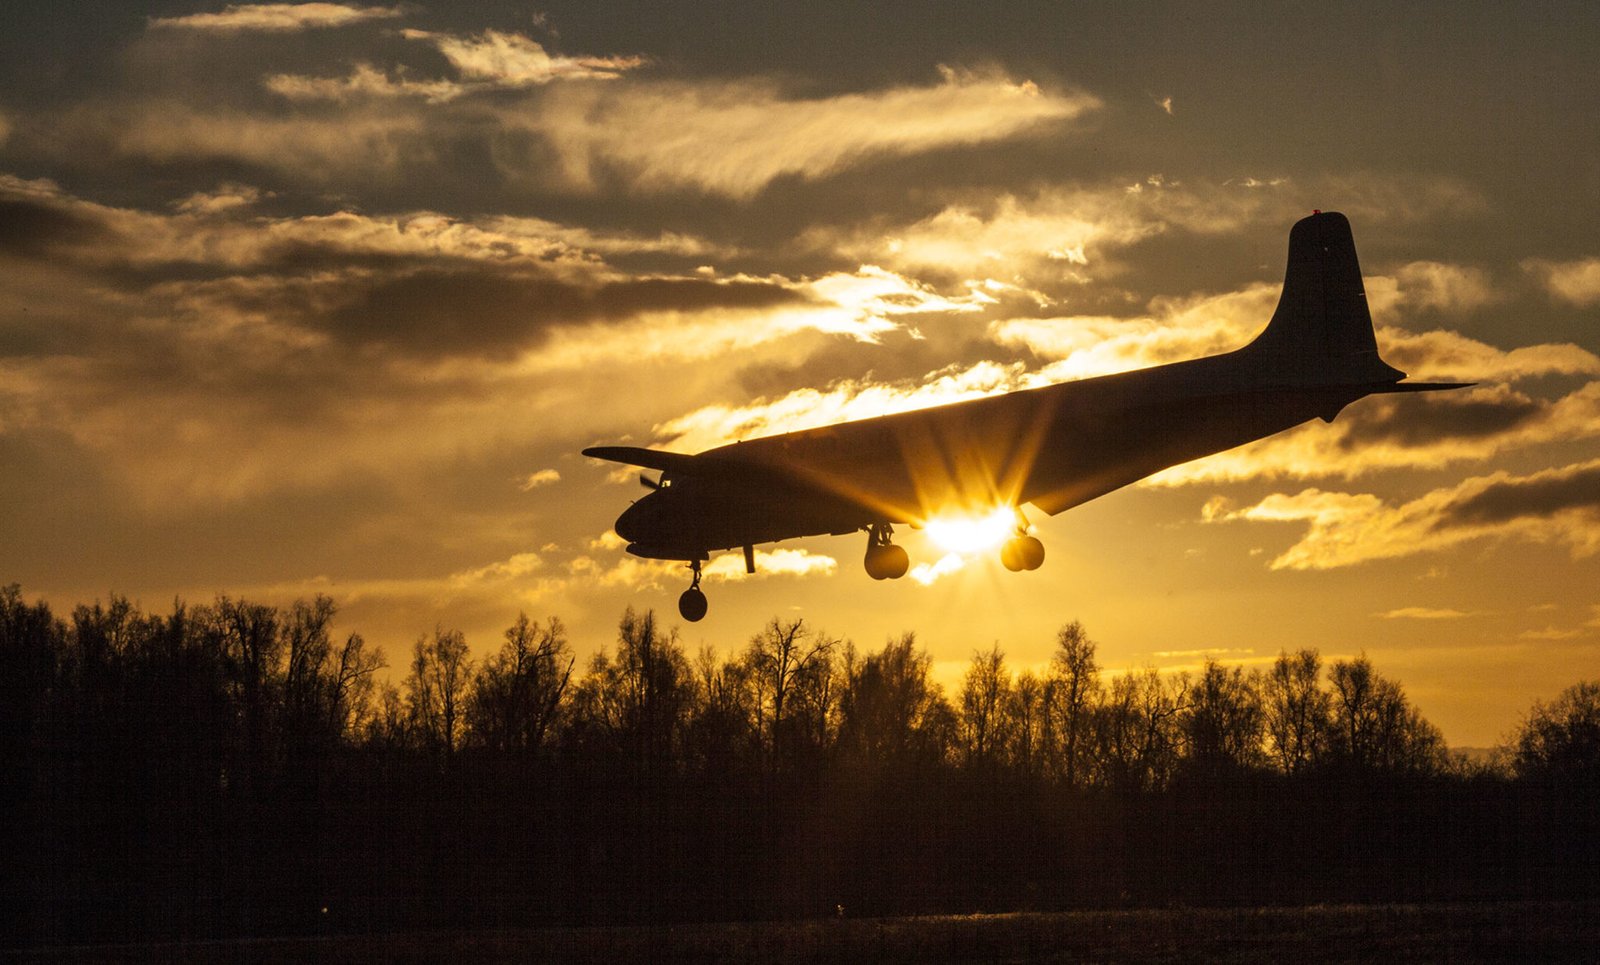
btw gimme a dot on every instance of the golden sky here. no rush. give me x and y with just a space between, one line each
301 298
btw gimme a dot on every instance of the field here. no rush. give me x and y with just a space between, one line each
1491 932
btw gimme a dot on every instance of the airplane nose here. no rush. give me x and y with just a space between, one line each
637 521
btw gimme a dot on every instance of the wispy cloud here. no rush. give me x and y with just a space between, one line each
543 477
1577 282
276 17
1555 506
734 138
364 81
1423 613
1551 634
844 401
513 60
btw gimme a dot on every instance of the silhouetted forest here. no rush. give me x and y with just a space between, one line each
235 770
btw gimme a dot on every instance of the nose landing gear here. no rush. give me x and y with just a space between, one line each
692 604
885 560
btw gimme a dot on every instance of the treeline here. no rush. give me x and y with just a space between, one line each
234 769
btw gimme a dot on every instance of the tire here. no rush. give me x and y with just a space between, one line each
692 605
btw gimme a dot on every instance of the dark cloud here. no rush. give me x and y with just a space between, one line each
34 229
483 312
1541 495
1430 419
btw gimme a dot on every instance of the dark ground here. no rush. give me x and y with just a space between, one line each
1487 932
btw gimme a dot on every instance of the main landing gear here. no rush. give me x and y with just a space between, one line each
692 604
885 560
1022 552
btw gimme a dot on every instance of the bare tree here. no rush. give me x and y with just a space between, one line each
985 692
1561 739
517 693
1374 726
778 658
437 688
1026 712
1224 720
722 731
1074 689
1136 733
639 701
890 713
1297 710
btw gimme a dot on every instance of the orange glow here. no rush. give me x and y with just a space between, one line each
971 533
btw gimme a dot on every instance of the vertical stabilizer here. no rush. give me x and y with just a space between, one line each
1322 331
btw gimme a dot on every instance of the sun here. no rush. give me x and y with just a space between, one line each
971 533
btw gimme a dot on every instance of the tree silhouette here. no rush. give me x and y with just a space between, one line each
1560 740
517 693
1074 689
437 690
985 696
1374 727
1296 709
891 715
1223 720
781 659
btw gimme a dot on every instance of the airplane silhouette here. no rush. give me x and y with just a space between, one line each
1053 447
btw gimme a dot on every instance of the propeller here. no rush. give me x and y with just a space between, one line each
648 483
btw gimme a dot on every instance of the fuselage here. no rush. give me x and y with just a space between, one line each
1055 447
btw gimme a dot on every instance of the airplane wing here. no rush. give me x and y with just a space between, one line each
658 459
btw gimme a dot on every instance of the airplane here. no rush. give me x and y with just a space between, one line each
1053 447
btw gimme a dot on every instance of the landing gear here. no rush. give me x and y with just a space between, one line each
692 604
885 560
1022 552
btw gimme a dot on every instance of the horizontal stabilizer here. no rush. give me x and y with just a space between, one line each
640 456
1391 387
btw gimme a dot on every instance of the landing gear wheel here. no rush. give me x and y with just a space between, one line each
889 562
692 605
885 560
1031 551
1022 553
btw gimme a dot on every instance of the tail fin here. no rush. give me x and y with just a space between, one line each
1322 331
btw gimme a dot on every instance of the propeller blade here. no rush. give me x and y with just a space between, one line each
648 483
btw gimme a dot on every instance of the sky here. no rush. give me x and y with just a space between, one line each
326 298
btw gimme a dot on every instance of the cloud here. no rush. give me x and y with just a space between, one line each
844 401
543 477
1177 329
927 573
721 137
736 137
276 17
779 562
1430 285
1551 633
489 61
1553 506
364 81
1404 432
1423 613
225 197
1577 282
641 574
1052 231
512 60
